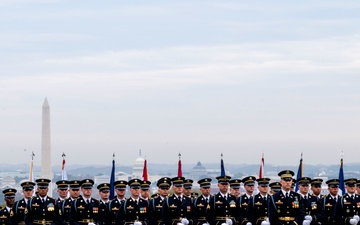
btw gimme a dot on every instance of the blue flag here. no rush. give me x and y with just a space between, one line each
112 179
341 178
222 166
299 174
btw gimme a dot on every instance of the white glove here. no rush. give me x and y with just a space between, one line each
91 223
179 224
228 221
183 221
223 224
353 221
248 223
308 217
206 223
306 222
356 217
137 223
265 222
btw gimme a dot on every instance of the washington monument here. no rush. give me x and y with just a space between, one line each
46 143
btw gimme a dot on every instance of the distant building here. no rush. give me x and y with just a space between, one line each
138 167
198 172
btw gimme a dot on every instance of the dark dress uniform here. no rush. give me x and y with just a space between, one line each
220 209
155 208
346 208
5 216
112 210
175 209
313 208
65 208
243 203
18 212
257 210
42 212
133 211
200 207
328 204
286 209
82 213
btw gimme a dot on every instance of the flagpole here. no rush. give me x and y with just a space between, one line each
341 175
63 171
112 179
179 166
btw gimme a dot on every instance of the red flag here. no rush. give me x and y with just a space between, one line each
179 167
145 172
261 171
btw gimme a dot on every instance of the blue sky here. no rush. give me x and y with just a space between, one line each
202 78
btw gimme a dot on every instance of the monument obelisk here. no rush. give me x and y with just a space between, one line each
46 144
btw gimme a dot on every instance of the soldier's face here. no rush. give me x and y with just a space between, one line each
187 191
135 192
205 191
178 190
86 192
223 187
104 195
235 191
316 189
120 193
62 193
9 201
304 188
350 188
28 192
74 193
164 191
145 193
249 188
263 189
42 191
286 184
333 190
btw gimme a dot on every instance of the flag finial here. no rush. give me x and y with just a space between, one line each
179 156
113 155
342 154
221 155
32 155
63 155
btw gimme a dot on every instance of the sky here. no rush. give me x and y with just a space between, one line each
200 78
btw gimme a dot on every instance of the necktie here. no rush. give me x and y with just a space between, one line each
353 197
87 201
264 198
287 195
179 198
305 197
207 200
335 199
42 201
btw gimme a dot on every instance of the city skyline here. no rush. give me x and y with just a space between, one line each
238 78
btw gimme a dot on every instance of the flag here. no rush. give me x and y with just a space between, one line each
261 171
222 166
31 172
179 167
299 173
341 178
112 179
63 171
145 172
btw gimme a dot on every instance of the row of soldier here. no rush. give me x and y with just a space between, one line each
279 206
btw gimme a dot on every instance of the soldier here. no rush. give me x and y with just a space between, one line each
74 190
145 190
310 203
134 210
42 209
201 203
177 208
222 207
18 210
293 184
235 187
347 207
275 187
9 196
316 187
114 205
257 211
328 202
62 189
243 201
188 188
85 209
104 193
156 204
285 206
358 187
